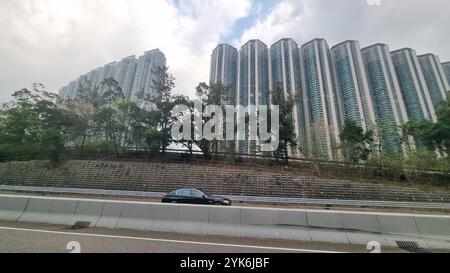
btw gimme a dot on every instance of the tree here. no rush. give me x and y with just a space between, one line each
355 143
434 136
424 132
32 124
442 133
99 116
287 129
162 103
155 140
52 144
214 94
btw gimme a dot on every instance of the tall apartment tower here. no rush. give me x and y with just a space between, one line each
320 102
108 71
414 89
132 76
124 74
352 87
253 82
390 110
224 63
435 78
143 78
446 67
62 93
285 72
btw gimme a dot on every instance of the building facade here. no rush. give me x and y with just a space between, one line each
434 77
446 67
412 83
143 78
390 110
224 66
320 102
124 74
352 87
253 84
284 69
378 89
133 76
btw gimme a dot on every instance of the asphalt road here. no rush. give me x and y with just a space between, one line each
36 238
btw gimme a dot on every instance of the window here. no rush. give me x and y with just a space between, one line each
184 192
197 193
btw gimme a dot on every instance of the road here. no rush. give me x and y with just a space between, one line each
37 238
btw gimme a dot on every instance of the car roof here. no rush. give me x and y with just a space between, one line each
188 189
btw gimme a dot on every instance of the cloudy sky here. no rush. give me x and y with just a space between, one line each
55 41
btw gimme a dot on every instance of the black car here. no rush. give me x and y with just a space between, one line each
196 197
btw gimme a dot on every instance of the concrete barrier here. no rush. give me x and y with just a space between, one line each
88 211
12 207
360 222
326 226
193 220
110 215
434 227
163 217
257 223
224 221
291 225
37 211
62 212
432 231
134 216
398 224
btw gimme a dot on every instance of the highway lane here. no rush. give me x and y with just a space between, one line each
36 238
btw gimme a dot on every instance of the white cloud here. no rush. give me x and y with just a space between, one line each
420 24
54 41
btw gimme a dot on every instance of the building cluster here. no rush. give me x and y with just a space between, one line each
134 76
378 89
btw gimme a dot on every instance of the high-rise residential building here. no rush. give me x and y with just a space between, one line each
446 67
63 93
435 78
390 109
108 71
224 63
284 71
253 82
72 90
132 76
414 89
143 79
124 74
320 101
352 87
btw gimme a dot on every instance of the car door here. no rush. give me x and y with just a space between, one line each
185 196
199 197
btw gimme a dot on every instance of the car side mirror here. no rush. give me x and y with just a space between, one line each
204 196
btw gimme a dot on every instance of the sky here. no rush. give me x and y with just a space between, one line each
54 41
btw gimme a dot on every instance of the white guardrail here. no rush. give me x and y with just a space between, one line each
359 228
273 200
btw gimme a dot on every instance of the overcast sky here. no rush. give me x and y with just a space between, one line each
55 41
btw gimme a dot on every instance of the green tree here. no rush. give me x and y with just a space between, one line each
287 128
161 103
356 144
155 141
32 124
434 136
